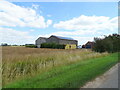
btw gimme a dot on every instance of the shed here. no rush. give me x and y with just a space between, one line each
88 45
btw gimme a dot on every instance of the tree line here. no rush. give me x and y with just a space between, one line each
109 44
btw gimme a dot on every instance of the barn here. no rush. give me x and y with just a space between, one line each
68 42
39 41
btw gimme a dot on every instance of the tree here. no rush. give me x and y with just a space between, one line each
109 43
4 44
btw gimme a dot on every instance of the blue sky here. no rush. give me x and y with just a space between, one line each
24 22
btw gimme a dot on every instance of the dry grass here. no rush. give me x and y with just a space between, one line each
21 62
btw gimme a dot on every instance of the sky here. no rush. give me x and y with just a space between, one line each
23 22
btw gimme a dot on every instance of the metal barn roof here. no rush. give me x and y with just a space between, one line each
63 37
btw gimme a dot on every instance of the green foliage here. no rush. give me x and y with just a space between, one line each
110 44
31 46
52 45
4 44
69 76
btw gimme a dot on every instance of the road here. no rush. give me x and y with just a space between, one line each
107 80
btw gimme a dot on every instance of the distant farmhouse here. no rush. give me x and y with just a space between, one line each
68 42
88 45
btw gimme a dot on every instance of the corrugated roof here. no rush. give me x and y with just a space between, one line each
63 37
43 37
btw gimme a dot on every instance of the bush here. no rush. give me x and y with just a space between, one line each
52 45
31 46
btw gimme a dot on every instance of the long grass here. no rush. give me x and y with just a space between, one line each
69 76
20 62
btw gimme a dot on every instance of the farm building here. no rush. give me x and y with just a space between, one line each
88 45
68 42
39 41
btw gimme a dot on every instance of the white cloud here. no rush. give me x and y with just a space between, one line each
35 6
79 32
80 35
88 0
11 36
88 23
64 0
31 30
83 40
49 22
13 15
49 15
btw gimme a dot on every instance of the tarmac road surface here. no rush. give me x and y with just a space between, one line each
107 80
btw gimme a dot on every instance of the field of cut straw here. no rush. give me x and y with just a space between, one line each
21 62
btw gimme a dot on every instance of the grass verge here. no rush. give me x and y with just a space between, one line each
69 76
